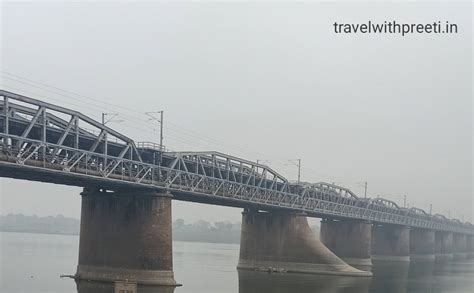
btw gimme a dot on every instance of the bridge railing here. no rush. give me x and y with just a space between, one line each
150 145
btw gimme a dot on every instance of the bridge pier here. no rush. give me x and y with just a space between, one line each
422 244
283 241
348 239
443 245
459 246
390 243
126 235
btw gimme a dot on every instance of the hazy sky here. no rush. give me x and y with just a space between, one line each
261 80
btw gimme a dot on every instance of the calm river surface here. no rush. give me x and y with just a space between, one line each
33 263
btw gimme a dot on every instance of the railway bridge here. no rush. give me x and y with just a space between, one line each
128 187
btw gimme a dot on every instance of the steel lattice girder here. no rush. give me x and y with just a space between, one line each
33 134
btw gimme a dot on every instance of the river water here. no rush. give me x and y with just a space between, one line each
33 263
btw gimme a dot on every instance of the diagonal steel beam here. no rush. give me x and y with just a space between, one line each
121 155
32 122
97 142
66 131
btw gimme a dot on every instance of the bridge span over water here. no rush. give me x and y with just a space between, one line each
128 186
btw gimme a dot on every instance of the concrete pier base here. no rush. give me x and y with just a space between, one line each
284 242
126 235
390 243
350 240
422 244
459 246
443 246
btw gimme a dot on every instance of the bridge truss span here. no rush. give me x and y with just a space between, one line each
44 142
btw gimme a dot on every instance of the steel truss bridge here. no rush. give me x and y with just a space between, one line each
44 142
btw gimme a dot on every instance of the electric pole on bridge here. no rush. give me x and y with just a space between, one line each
112 116
365 187
365 192
297 162
299 170
159 120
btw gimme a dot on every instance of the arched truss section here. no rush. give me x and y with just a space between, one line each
385 202
440 217
418 212
457 221
229 168
32 129
386 206
326 191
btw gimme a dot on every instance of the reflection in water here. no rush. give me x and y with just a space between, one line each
420 276
107 287
421 272
421 269
389 276
261 282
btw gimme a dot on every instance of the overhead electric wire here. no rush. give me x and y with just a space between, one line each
179 138
193 133
179 131
205 142
134 118
134 127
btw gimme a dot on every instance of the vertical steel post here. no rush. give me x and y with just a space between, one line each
299 170
5 107
76 128
105 143
161 137
160 120
43 135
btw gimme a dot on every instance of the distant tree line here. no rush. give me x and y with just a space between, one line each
203 231
200 231
34 224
